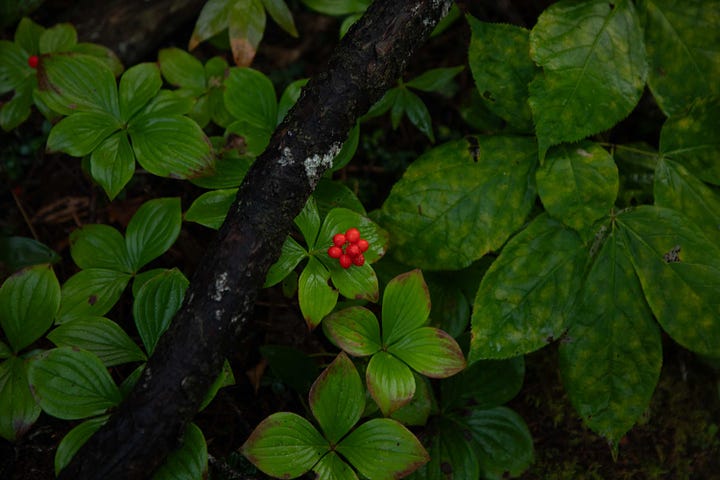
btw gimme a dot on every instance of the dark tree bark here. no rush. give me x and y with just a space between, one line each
220 300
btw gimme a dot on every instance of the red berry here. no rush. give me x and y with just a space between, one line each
339 239
335 251
33 61
352 250
359 260
345 261
363 245
352 235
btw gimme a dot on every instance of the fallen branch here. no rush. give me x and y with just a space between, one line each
220 300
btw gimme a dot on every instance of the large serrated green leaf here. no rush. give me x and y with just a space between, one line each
683 50
138 85
112 163
71 383
81 133
461 200
594 64
354 329
18 409
390 382
156 303
405 306
316 297
679 269
93 292
211 208
75 439
291 255
99 336
429 351
693 140
99 246
382 449
611 358
578 184
676 188
523 300
153 229
337 398
72 82
189 462
499 58
29 300
285 445
171 146
246 25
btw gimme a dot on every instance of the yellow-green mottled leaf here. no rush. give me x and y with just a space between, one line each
578 184
611 358
499 58
461 200
679 269
593 58
683 48
524 299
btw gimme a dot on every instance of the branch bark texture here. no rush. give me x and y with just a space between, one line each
220 300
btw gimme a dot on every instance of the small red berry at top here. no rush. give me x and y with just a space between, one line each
33 61
339 239
352 235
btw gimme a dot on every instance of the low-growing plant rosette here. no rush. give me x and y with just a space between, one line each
286 445
323 277
403 344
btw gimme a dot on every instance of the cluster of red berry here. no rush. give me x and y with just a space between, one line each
348 248
33 61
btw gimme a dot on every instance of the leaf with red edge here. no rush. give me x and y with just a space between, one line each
390 382
430 351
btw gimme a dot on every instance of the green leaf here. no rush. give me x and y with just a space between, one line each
18 409
384 104
680 190
77 83
593 58
331 194
282 15
611 358
291 255
332 467
212 20
499 58
5 351
211 208
429 351
246 25
138 85
683 51
578 184
284 445
346 154
418 410
58 38
382 449
172 146
13 66
417 112
91 292
450 309
451 206
405 306
102 53
99 336
451 454
289 97
182 69
224 379
337 398
524 299
692 140
17 110
112 163
308 221
333 7
339 220
29 300
21 252
390 382
250 97
27 35
71 384
168 102
153 229
189 462
253 137
81 133
679 269
316 297
503 439
143 277
359 283
230 169
435 80
156 303
355 329
291 365
99 246
75 439
485 383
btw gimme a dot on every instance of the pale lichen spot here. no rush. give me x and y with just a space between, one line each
220 286
317 164
286 157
